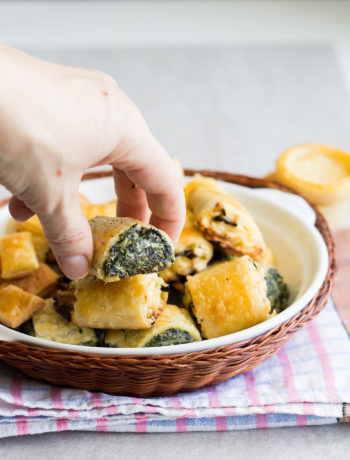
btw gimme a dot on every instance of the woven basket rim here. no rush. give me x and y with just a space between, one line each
293 324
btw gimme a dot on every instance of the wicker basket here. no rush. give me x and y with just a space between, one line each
167 374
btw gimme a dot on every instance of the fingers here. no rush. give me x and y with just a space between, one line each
69 236
147 165
19 210
132 201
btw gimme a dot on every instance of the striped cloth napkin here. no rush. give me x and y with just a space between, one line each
306 383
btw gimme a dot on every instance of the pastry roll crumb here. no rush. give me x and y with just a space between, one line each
18 256
17 306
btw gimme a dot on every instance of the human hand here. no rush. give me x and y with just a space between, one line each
57 121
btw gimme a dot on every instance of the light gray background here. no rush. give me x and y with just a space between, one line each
232 109
319 443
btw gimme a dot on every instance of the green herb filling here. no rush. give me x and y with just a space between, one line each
277 290
138 250
171 336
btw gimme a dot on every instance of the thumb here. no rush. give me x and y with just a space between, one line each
69 236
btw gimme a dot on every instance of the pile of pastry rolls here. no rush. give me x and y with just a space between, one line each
222 279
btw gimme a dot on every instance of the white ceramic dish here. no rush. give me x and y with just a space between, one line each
287 223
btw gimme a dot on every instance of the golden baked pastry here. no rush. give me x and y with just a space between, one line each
83 199
126 247
18 256
228 297
91 210
201 181
192 253
226 222
173 326
41 247
17 306
38 282
50 325
31 225
132 303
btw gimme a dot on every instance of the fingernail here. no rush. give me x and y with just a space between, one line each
75 267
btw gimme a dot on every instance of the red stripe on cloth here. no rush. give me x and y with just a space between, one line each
73 413
221 423
325 363
16 389
214 398
22 425
309 408
150 409
61 424
261 421
112 410
175 402
56 398
191 412
269 408
57 403
288 376
251 389
96 400
181 424
32 412
301 420
230 410
141 423
101 424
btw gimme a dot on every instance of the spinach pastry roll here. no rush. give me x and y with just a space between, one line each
200 181
50 325
192 253
132 303
126 247
173 326
228 297
225 221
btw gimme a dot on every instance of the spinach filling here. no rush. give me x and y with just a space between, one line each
175 296
277 290
189 254
27 328
64 303
171 336
138 251
221 255
222 217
